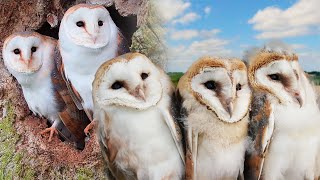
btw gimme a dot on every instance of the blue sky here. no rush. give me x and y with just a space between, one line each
227 28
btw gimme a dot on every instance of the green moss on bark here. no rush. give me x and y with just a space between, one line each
11 165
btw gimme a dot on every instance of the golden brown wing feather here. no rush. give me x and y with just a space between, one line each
181 115
108 150
260 127
122 49
123 45
75 120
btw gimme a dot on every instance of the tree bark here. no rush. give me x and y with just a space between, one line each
24 153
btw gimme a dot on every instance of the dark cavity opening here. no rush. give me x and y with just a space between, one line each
127 25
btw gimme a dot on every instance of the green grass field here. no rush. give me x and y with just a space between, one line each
175 76
314 77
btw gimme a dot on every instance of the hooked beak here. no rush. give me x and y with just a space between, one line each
94 39
26 62
297 97
138 93
92 31
229 106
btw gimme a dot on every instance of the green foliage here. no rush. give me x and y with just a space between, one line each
315 73
84 174
11 161
315 80
314 76
175 76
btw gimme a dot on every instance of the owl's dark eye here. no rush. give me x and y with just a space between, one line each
117 85
80 23
16 51
238 87
33 49
274 77
210 85
144 76
100 23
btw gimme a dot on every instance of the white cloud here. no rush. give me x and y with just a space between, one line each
298 46
184 34
187 18
181 57
207 10
205 43
192 33
209 33
301 18
169 9
310 61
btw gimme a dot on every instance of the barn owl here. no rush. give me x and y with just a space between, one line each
30 58
214 100
87 38
285 119
137 133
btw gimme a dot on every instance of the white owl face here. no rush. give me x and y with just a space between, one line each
134 84
23 54
88 26
282 77
225 92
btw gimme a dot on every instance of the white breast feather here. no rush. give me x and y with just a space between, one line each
293 148
220 152
81 64
145 143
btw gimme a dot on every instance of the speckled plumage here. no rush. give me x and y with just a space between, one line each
138 135
42 85
215 142
284 123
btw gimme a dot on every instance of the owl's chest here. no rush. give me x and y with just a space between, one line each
41 100
143 138
139 128
220 163
83 85
84 61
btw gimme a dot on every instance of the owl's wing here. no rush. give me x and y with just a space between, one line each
109 151
175 127
74 120
72 92
190 139
318 101
191 154
123 45
261 128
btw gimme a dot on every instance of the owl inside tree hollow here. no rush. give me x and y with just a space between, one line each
30 58
87 38
138 135
285 119
215 97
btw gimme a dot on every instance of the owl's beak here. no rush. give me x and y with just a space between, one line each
229 106
296 97
299 99
138 93
26 62
92 31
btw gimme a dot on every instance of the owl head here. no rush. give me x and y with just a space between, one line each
219 84
130 80
278 74
88 26
26 53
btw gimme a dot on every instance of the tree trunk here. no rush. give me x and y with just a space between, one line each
24 153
